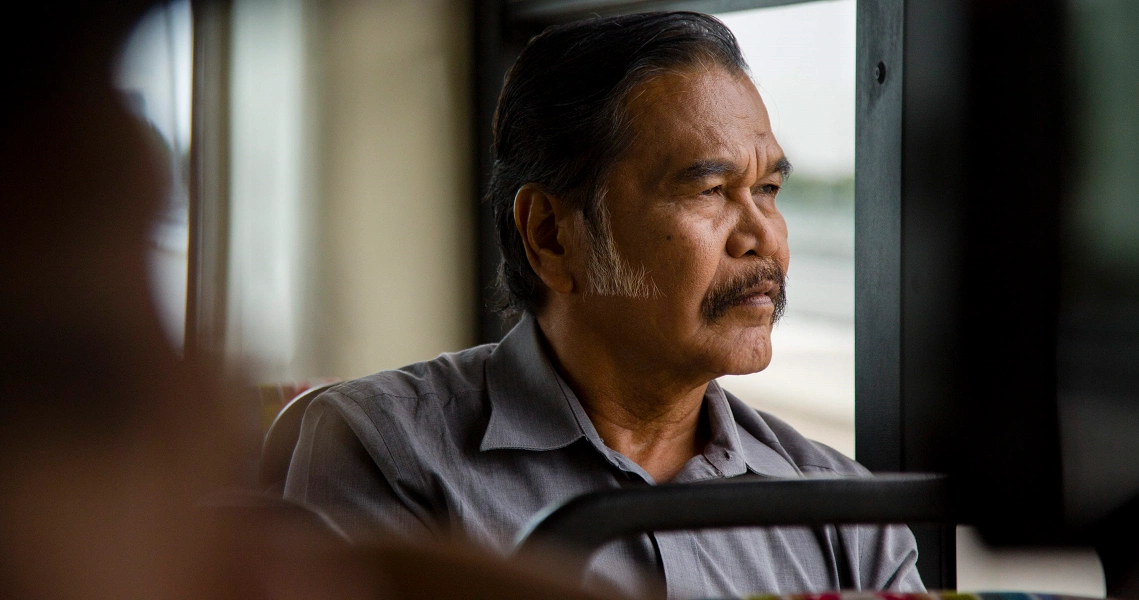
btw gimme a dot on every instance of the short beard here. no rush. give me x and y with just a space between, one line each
730 293
607 272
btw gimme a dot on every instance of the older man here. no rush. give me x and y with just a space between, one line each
634 189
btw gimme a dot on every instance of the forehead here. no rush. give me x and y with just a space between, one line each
694 114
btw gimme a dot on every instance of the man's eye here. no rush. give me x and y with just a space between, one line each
712 191
768 190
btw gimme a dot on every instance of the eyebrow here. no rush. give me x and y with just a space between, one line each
783 166
703 169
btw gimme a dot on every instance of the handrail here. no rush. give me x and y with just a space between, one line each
583 524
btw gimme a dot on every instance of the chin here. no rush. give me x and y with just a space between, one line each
748 367
743 359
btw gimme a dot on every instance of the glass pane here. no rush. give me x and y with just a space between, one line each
802 60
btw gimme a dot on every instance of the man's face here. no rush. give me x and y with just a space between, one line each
693 202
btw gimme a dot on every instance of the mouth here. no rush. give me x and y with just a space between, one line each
758 290
761 295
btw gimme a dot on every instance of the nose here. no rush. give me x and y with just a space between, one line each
756 232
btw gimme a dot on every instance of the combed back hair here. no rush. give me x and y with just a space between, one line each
561 121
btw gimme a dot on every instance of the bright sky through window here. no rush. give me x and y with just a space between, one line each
802 59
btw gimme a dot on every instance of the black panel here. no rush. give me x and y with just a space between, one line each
958 267
879 74
933 201
909 113
1015 166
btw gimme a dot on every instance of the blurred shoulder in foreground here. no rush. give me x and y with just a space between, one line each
108 439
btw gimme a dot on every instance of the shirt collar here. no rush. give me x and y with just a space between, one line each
532 408
724 451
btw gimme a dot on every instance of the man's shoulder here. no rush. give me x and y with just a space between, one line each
428 394
417 418
807 455
448 375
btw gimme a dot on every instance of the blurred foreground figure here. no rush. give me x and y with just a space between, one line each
107 438
108 441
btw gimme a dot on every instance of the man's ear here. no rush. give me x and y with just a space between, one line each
541 219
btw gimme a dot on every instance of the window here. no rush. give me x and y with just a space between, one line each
802 60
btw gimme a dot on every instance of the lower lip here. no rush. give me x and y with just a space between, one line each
758 300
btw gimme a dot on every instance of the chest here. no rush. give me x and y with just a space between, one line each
499 492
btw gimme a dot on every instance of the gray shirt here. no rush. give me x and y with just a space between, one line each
476 442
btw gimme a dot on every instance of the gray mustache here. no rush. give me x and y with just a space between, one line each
731 292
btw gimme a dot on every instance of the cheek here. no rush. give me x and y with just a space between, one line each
777 228
686 259
680 249
784 253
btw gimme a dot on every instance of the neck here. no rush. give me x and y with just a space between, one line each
638 409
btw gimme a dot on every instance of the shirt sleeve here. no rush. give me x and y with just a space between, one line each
333 471
889 557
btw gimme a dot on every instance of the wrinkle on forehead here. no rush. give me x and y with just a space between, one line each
685 81
693 114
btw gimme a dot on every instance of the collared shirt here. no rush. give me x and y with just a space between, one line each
475 443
